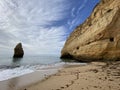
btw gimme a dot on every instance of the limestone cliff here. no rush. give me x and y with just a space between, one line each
18 51
98 38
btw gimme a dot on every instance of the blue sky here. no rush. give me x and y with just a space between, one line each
41 25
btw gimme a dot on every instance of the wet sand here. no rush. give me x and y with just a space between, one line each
26 80
94 76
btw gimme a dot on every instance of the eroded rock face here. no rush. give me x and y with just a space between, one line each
18 51
98 38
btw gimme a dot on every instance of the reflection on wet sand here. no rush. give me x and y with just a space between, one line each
11 84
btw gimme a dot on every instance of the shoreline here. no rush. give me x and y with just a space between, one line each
38 75
26 80
92 76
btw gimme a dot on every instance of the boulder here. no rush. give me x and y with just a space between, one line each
18 51
98 38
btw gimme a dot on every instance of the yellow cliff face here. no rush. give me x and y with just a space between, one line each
98 38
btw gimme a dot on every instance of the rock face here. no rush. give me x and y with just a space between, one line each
18 51
98 38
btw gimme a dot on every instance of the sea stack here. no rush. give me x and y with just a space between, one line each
18 51
98 38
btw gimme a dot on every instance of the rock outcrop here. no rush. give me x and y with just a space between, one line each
18 51
98 38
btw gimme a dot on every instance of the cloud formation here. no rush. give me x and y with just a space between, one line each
32 23
41 25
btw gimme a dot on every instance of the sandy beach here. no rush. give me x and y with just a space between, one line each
93 76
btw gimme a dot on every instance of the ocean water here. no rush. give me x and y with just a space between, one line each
29 60
10 68
13 67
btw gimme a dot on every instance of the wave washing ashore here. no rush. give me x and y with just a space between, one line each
28 70
91 76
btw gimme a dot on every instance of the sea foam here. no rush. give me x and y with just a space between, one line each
8 73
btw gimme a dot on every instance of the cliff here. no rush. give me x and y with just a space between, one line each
98 38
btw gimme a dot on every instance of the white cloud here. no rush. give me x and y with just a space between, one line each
47 40
75 13
82 6
31 22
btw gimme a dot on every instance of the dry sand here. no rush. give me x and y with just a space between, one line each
94 76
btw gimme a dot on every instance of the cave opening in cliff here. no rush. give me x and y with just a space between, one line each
66 56
77 47
111 39
109 10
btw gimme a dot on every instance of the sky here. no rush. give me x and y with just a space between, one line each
42 26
